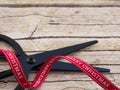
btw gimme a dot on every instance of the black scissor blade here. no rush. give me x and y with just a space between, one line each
62 66
70 49
41 57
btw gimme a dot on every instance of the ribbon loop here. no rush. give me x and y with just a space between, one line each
45 69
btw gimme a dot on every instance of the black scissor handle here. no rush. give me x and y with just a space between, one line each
12 43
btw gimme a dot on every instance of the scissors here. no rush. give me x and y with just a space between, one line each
34 61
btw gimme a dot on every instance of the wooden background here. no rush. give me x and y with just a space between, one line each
42 25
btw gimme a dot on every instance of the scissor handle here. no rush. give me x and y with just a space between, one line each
12 43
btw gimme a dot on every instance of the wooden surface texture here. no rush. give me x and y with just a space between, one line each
43 25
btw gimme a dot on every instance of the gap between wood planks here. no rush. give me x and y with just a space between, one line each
54 5
61 3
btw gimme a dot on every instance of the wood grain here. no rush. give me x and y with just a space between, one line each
45 44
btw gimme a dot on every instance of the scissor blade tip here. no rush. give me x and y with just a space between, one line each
95 41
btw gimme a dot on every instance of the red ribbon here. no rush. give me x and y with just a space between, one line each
45 68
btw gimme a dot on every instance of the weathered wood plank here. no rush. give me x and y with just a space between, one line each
59 30
66 85
55 22
62 2
60 86
62 31
45 44
60 13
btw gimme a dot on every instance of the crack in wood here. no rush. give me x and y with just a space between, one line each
74 24
34 30
54 37
27 15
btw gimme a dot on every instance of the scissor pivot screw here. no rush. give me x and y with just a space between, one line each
31 60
